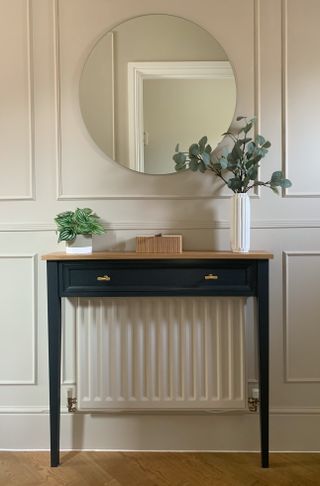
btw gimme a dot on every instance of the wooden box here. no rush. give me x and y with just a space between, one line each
159 244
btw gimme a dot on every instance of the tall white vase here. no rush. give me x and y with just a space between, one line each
240 223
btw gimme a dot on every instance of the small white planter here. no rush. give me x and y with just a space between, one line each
240 223
82 244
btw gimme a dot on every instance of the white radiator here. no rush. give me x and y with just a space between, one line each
160 353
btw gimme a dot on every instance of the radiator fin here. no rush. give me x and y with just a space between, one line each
160 353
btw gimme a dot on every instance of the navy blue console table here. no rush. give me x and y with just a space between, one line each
202 273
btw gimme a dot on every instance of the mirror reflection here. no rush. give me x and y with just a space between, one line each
152 82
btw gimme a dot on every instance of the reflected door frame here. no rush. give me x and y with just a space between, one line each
139 71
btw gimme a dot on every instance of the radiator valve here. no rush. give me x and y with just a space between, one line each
72 404
253 401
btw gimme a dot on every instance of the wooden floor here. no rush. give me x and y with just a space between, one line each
158 469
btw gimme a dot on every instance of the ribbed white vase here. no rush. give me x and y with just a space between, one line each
240 223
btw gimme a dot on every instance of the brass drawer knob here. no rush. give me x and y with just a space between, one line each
211 277
104 278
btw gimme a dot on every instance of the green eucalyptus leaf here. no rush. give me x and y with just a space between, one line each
223 163
276 178
216 167
248 127
179 157
260 140
267 144
253 173
177 147
249 163
262 151
194 149
250 148
235 183
232 166
236 152
256 159
205 158
241 117
208 149
246 181
285 183
202 143
180 167
194 164
202 167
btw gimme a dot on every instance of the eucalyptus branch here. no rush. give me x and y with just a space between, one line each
218 174
242 162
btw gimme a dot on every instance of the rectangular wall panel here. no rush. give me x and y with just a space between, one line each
17 323
160 353
16 114
302 311
301 44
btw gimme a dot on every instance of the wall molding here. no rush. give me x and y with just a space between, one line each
44 410
166 225
284 104
57 96
24 410
257 75
31 122
284 91
126 196
286 256
60 196
257 63
34 286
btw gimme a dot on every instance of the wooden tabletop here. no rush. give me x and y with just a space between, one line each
132 255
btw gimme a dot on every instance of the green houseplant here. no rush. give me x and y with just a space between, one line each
237 166
76 229
241 161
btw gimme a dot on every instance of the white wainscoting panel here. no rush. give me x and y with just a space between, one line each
161 353
302 311
18 319
301 99
16 88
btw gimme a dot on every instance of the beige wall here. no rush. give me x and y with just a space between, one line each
49 164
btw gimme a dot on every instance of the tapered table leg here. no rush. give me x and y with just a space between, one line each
54 340
263 348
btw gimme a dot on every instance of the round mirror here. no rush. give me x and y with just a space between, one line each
154 82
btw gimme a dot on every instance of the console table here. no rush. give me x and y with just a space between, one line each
193 273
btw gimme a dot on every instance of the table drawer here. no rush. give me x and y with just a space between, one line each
157 278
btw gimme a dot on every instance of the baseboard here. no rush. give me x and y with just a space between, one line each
295 433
